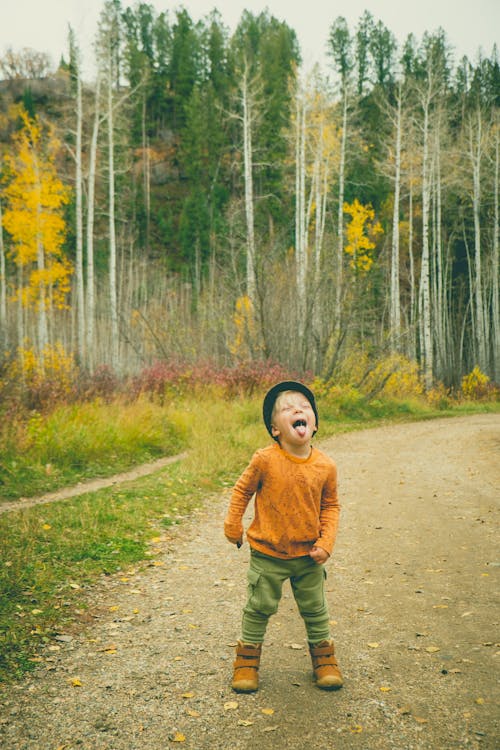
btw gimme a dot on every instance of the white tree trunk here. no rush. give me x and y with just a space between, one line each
300 204
248 175
90 317
43 333
395 309
495 310
340 219
80 293
413 295
20 316
113 295
426 338
439 303
475 153
146 173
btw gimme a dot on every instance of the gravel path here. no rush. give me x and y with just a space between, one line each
412 586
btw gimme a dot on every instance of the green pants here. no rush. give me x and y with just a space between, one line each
266 576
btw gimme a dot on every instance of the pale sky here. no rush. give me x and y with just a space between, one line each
469 24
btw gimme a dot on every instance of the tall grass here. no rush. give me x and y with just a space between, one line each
76 441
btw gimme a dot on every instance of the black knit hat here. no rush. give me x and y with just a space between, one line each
273 393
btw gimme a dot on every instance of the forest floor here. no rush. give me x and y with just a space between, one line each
412 587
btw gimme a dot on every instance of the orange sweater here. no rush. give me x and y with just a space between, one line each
296 504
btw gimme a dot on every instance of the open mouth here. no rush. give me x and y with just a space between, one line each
300 427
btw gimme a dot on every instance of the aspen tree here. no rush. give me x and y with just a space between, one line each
395 305
301 254
341 50
476 153
109 56
90 300
495 307
35 198
247 122
75 70
427 91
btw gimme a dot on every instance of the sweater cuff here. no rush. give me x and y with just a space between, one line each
327 546
233 531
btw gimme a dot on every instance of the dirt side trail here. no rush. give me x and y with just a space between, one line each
413 591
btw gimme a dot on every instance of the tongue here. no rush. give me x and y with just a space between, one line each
301 430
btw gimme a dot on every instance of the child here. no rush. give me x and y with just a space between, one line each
292 534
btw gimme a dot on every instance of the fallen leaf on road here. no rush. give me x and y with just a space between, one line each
177 737
386 689
230 705
188 695
245 723
268 711
357 729
373 645
432 649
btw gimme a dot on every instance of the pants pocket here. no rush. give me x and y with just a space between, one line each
263 593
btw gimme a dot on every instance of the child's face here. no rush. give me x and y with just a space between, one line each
293 420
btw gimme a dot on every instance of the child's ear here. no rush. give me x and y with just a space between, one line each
274 432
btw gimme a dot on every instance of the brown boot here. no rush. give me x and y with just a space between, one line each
326 670
246 667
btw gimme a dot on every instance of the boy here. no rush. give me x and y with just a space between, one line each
292 534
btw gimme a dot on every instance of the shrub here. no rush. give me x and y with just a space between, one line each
37 381
475 385
439 397
401 375
169 379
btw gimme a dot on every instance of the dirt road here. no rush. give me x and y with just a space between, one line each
413 591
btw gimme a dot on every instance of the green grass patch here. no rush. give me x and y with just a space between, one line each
84 441
52 554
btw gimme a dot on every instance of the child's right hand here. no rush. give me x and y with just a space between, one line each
235 540
233 533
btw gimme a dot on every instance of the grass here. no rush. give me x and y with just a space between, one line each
81 441
52 554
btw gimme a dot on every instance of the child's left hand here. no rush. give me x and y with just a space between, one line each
319 555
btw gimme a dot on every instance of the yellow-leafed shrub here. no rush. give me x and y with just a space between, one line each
475 384
396 376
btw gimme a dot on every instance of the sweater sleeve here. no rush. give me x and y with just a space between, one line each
329 512
242 493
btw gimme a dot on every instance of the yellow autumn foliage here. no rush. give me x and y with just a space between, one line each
34 201
53 363
245 341
400 375
361 233
474 385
